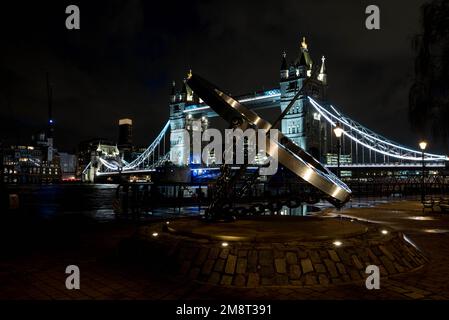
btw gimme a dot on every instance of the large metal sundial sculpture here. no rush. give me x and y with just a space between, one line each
288 153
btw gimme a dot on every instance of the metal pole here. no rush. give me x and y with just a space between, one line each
422 178
363 155
352 154
338 156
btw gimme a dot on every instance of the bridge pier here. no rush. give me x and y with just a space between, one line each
89 175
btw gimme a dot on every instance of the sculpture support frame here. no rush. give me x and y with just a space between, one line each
289 154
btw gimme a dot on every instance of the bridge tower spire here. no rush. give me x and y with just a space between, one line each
304 59
173 92
322 76
284 67
184 90
187 93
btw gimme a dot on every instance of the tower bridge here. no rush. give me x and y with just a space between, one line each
309 123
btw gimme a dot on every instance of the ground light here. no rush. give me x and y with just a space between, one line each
421 218
155 234
337 243
384 231
224 244
436 230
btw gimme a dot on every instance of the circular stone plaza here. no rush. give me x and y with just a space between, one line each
280 250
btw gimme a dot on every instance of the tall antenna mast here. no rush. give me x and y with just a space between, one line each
50 110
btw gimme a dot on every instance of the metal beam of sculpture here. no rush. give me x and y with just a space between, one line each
289 154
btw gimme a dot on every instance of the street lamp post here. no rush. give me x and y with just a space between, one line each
422 146
338 130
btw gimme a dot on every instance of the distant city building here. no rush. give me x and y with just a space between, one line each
125 138
50 157
125 132
21 164
332 159
68 164
37 162
51 171
28 164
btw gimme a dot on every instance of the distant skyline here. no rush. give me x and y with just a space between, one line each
123 60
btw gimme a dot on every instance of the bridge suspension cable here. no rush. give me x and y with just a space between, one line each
150 150
371 140
146 160
108 164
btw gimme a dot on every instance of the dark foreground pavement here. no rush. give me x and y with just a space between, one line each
34 259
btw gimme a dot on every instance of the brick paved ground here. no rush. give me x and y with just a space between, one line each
37 272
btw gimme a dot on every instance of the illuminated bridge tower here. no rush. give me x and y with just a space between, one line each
302 124
182 122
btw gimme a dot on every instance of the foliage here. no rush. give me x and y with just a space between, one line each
429 95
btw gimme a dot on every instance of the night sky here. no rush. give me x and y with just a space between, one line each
122 61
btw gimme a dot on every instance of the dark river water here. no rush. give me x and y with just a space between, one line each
95 201
48 201
91 200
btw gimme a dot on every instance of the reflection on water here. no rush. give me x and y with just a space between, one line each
95 201
302 210
194 210
366 202
92 200
49 201
178 212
